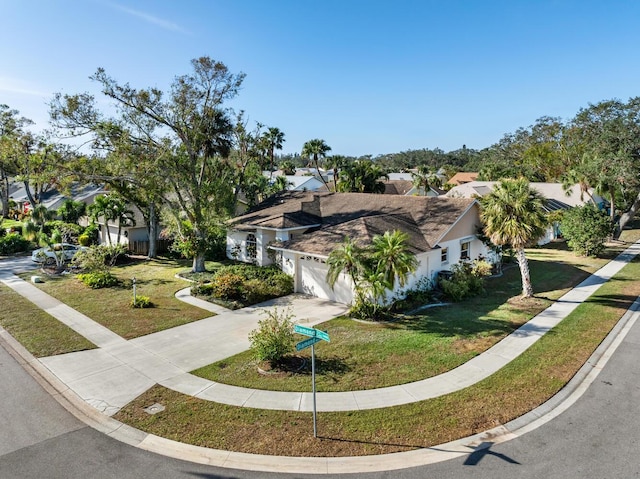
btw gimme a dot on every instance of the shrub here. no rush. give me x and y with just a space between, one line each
481 268
227 286
99 279
93 232
273 339
465 281
369 311
13 243
141 302
99 258
84 239
586 229
202 289
247 284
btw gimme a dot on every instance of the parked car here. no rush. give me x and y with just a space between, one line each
47 255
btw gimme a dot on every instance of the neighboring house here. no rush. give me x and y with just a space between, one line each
407 188
462 177
298 231
556 196
52 198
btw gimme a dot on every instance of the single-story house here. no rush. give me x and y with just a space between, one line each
298 231
557 198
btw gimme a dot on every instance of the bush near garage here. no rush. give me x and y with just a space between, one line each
237 286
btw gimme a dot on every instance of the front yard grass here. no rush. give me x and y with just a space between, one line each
371 355
523 384
111 306
40 333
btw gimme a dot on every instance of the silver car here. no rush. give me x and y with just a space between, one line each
47 255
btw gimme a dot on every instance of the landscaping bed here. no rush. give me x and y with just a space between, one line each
241 285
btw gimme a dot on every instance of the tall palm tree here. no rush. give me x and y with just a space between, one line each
392 258
314 150
512 215
337 163
274 139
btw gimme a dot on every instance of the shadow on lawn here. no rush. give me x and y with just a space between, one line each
473 316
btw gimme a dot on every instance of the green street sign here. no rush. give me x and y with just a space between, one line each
311 332
322 335
306 343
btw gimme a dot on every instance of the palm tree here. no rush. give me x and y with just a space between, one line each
392 258
512 215
337 162
314 150
112 208
274 139
288 167
71 211
361 176
348 258
424 179
279 184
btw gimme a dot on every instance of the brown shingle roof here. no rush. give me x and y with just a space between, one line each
360 216
397 187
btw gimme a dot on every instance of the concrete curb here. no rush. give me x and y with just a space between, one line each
332 465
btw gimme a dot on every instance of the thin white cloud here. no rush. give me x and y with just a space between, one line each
9 85
147 17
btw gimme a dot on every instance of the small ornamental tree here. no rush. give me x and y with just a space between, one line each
586 229
273 339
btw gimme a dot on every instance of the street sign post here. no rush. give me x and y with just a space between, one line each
315 336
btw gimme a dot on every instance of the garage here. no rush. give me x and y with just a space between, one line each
312 274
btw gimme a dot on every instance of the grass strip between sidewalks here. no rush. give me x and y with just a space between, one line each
111 306
39 332
525 383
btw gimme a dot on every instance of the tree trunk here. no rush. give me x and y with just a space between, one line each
27 189
527 288
4 194
627 216
152 229
198 263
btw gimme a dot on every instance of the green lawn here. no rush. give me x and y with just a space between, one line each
364 355
111 306
41 334
525 383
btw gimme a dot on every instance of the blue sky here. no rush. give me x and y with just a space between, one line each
368 77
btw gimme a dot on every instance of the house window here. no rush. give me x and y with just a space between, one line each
251 246
444 255
465 250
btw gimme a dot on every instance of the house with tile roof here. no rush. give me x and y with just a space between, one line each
462 177
556 196
298 231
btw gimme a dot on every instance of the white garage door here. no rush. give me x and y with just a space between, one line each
312 274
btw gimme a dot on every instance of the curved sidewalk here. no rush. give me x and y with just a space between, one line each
118 370
461 377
